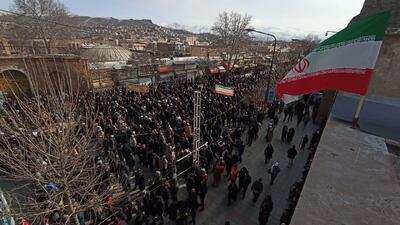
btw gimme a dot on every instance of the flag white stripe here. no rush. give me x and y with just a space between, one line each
359 55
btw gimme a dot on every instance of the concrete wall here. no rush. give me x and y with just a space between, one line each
352 181
39 69
385 81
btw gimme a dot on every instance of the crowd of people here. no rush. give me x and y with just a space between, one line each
146 146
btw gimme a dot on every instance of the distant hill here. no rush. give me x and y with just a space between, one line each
109 21
136 25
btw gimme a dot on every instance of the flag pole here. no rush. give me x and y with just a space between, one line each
354 124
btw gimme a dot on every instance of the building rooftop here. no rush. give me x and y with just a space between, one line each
107 53
353 180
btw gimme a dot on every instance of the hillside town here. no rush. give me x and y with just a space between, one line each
107 121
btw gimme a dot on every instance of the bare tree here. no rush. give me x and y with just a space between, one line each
230 30
40 19
49 143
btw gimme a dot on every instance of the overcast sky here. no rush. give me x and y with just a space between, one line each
305 16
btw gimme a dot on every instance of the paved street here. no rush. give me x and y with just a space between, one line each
245 212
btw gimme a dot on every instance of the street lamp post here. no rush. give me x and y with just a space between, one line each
273 56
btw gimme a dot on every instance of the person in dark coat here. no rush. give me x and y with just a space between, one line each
139 180
306 118
290 135
232 192
246 183
268 151
291 113
251 135
265 210
286 112
292 152
182 215
173 190
274 171
303 142
299 117
202 194
276 120
314 139
244 180
284 133
124 180
165 195
172 211
257 189
193 205
239 146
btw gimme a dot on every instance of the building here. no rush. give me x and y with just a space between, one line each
106 56
191 40
165 49
23 74
204 51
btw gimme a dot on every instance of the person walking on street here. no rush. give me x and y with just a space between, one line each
268 151
284 133
292 152
232 192
303 142
291 112
193 205
251 135
234 174
270 135
274 171
240 148
314 139
306 118
202 194
257 189
242 176
270 132
265 210
219 169
247 182
286 112
244 180
290 135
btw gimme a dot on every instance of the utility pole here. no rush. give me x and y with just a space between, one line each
273 56
196 128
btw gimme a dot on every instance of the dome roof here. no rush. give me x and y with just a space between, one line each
107 53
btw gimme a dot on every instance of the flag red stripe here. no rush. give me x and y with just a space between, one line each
348 82
224 93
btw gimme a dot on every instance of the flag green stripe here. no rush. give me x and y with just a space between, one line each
365 29
223 88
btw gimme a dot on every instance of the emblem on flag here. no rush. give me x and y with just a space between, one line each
302 65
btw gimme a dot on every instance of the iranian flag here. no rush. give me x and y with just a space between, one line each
343 62
219 89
